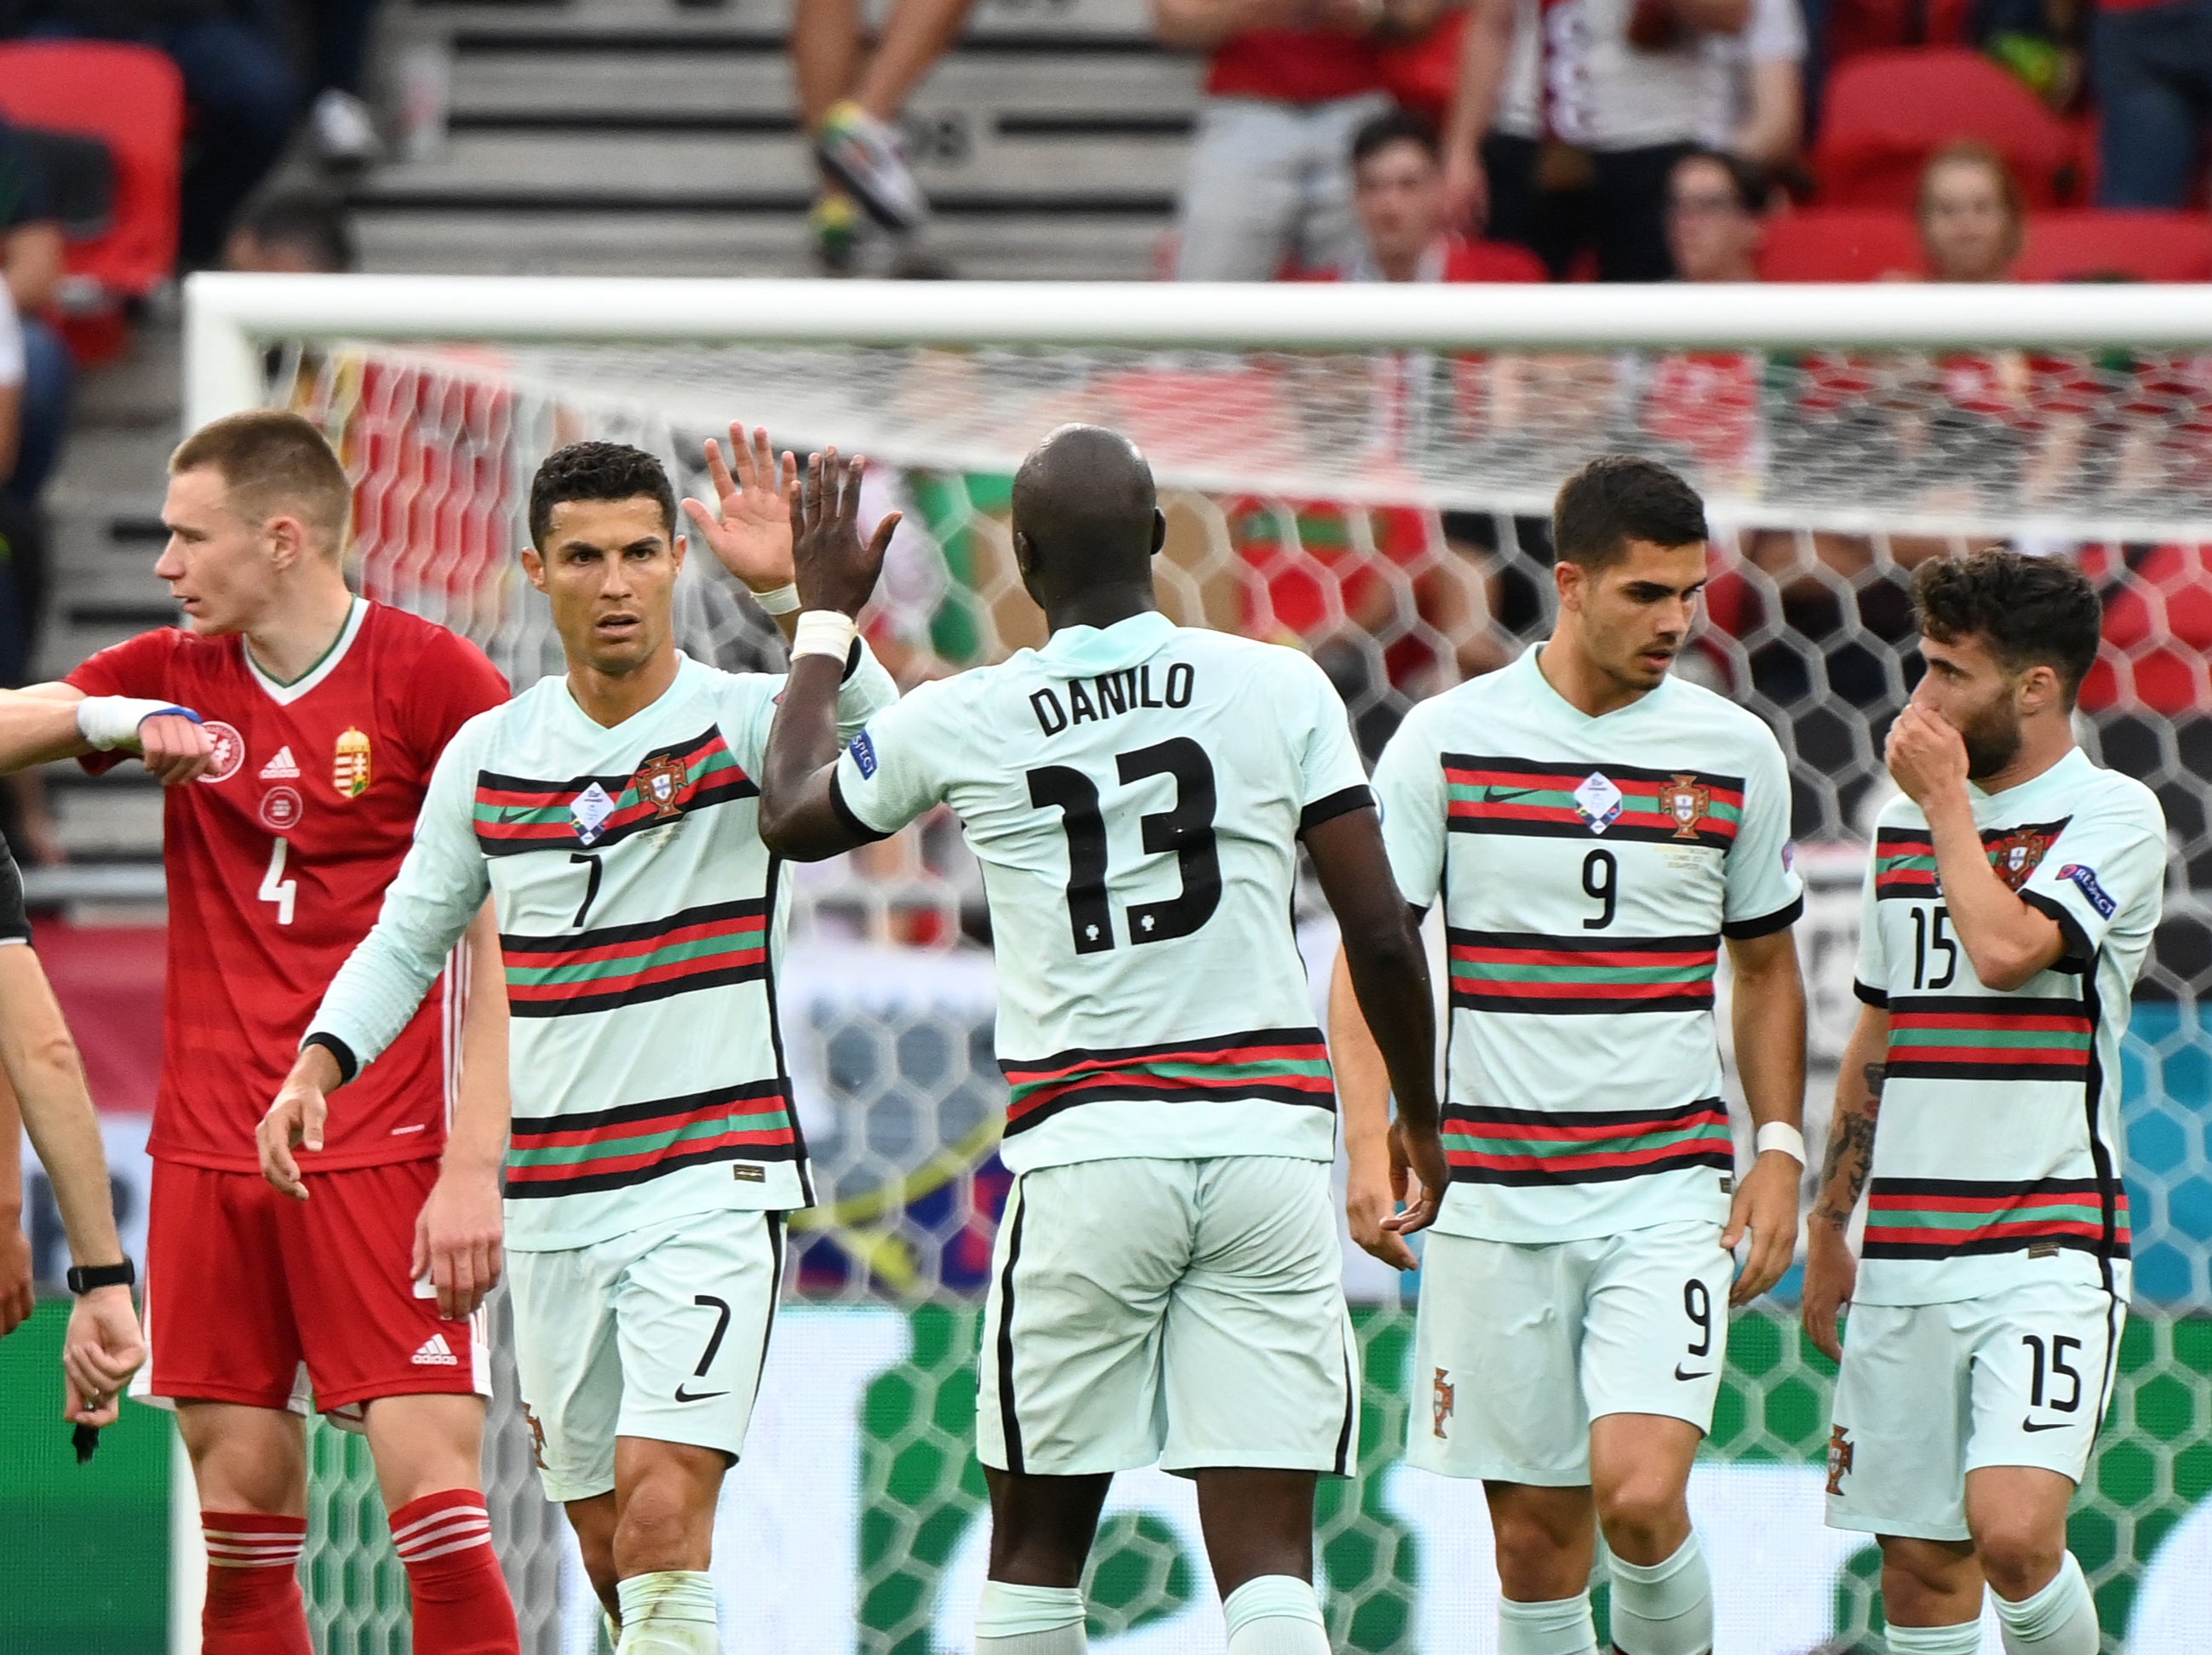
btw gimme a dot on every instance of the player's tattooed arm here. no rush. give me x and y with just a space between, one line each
801 816
1830 1272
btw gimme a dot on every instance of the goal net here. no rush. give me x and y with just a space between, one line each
1363 474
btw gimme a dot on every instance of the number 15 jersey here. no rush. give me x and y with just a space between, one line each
1135 795
1589 869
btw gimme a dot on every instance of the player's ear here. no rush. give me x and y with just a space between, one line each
1025 555
1160 530
285 539
681 545
533 565
1567 579
2038 688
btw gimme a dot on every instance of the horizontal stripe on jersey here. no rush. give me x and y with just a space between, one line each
612 1148
1941 1218
1593 1146
627 964
1281 1065
1970 1037
514 814
1905 859
1537 800
1552 976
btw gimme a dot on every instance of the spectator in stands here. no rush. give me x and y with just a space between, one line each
1269 184
292 232
239 83
344 132
1716 217
1569 117
1973 216
1759 113
2151 69
1405 230
31 261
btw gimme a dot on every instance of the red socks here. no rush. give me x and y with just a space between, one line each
253 1603
461 1605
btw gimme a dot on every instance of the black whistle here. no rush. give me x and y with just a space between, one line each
84 1439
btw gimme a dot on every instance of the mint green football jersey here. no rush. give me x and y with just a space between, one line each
1589 869
641 919
1999 1157
1135 795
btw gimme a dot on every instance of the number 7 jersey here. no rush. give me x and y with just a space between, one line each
1135 795
1589 869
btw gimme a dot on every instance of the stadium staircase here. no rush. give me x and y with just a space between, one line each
638 137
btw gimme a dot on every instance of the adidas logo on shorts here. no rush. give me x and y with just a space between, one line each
282 767
435 1353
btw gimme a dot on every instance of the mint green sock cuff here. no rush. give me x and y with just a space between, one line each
672 1597
2065 1596
1270 1596
1005 1611
1962 1639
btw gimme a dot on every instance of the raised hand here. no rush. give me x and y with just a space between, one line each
837 570
749 526
1926 755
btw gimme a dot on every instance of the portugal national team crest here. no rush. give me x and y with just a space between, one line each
660 783
1441 1400
2017 855
1687 803
349 771
1839 1459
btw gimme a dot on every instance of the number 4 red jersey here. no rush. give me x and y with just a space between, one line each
278 859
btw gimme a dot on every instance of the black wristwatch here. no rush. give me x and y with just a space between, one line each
83 1278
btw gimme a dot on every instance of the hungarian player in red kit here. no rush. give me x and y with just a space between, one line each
326 714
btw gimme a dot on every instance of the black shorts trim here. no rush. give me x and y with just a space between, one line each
1010 1424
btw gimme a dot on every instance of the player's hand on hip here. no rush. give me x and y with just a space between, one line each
1420 1174
174 748
457 1240
747 524
837 569
1766 1207
1368 1204
18 1295
101 1350
1925 754
294 1121
1830 1278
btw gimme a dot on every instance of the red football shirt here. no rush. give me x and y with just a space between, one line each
277 860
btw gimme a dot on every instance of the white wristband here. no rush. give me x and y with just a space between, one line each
108 722
781 600
1781 1135
824 632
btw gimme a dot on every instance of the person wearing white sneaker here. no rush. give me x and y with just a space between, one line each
850 107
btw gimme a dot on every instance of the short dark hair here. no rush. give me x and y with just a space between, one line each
1617 498
2030 611
1753 188
314 221
598 471
1395 126
273 463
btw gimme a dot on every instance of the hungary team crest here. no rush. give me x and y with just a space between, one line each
2017 855
349 763
1687 803
660 783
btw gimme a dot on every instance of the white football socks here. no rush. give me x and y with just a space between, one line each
1663 1609
1559 1626
1275 1615
1012 1620
668 1613
2060 1620
1963 1640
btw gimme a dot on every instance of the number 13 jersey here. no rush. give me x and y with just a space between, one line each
1135 795
1588 869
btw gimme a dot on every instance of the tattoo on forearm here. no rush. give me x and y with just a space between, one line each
1851 1150
1876 1074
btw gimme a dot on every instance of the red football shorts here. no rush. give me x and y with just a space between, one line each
252 1296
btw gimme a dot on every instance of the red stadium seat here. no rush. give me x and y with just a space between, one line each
2145 246
132 99
1839 244
1858 27
1887 112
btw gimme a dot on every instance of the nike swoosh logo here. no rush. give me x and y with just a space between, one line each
1702 1374
1500 794
2047 1425
702 1396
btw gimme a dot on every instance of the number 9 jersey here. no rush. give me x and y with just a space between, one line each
1588 869
1135 795
278 859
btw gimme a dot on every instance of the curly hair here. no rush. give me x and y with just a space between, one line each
2030 611
598 471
